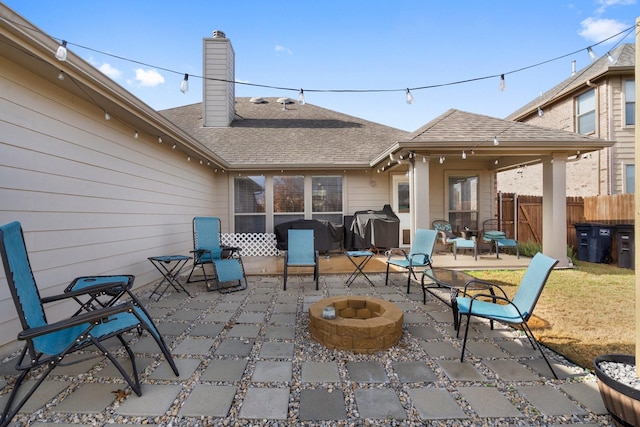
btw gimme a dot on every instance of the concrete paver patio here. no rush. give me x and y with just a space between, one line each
244 357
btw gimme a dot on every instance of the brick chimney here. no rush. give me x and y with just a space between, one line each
218 97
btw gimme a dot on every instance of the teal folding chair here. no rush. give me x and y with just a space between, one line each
301 253
516 311
225 261
419 255
46 345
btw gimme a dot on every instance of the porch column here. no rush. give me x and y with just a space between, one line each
419 182
554 208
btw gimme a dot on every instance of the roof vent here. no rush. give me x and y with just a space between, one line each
217 34
257 100
285 101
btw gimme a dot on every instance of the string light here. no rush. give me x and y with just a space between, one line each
107 117
540 112
441 159
464 155
409 97
611 58
188 158
61 75
160 139
496 141
173 147
301 97
135 135
184 86
503 84
61 53
592 54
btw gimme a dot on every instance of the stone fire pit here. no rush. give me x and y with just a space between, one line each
362 324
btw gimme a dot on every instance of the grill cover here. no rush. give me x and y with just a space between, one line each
376 229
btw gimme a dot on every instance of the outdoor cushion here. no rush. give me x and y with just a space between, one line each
494 235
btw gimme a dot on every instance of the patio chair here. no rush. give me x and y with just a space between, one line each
446 236
46 345
301 253
225 261
493 233
516 311
418 256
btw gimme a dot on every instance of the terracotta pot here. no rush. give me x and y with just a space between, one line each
622 401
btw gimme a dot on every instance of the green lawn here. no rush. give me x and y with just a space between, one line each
583 312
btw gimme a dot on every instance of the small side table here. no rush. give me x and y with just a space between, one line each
169 266
359 259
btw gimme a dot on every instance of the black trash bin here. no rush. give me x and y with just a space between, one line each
594 242
625 241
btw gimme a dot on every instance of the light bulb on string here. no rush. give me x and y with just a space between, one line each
107 117
409 97
135 135
61 75
301 97
188 158
184 86
540 112
503 83
160 140
464 155
61 53
173 147
592 54
612 59
496 141
424 159
441 159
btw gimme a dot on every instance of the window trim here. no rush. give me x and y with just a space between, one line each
625 125
578 115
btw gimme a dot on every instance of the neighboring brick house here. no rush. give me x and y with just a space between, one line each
598 100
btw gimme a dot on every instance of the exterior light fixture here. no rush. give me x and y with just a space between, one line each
184 86
61 53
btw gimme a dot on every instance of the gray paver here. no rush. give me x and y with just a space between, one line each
186 367
283 319
186 314
235 347
209 400
280 332
489 402
367 372
265 403
43 394
171 328
193 346
586 394
155 400
549 401
207 330
511 370
243 330
272 372
413 372
320 404
461 371
251 318
440 349
277 350
483 349
379 404
435 404
423 331
224 370
320 372
90 398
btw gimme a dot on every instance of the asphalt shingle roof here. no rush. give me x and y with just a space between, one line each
267 136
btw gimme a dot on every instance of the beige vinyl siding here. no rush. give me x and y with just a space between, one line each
360 195
91 199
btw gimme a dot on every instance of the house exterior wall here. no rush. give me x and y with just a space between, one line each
92 199
597 173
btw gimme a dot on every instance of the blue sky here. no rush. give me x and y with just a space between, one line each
337 45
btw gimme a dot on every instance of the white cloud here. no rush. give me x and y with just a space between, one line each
604 4
148 77
596 30
110 71
280 48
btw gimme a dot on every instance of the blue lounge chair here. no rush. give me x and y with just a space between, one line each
516 311
47 344
225 260
493 233
301 253
418 256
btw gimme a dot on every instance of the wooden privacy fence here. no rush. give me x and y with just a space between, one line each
615 209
